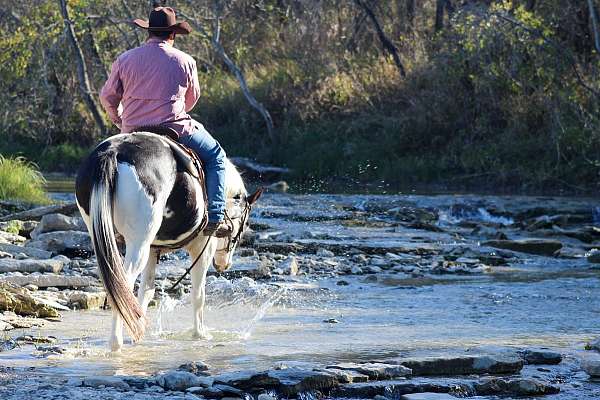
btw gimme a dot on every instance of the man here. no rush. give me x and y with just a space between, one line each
157 84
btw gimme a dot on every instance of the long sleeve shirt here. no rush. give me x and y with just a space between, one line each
150 85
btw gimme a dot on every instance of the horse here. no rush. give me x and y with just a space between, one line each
136 185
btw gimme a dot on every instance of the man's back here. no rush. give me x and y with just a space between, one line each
156 84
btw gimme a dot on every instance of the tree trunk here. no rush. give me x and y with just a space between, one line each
411 6
440 5
595 29
387 44
84 81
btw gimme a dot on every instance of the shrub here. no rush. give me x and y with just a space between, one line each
21 180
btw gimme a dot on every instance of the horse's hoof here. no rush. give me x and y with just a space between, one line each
115 348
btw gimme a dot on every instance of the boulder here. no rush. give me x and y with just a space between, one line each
292 381
58 222
54 265
86 300
464 365
21 302
375 371
540 356
542 247
519 387
591 367
182 380
22 228
62 242
28 251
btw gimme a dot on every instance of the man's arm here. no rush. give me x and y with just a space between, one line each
193 91
111 94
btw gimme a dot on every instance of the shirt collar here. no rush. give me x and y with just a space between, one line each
155 40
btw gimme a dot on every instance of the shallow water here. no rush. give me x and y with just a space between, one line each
537 302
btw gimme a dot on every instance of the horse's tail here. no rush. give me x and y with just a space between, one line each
110 263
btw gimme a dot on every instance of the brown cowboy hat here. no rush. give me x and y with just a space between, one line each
162 19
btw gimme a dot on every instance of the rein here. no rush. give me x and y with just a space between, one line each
231 243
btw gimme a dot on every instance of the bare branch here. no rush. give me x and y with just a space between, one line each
387 44
234 70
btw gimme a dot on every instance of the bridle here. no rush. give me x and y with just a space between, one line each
233 240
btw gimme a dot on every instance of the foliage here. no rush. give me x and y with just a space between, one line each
500 94
21 180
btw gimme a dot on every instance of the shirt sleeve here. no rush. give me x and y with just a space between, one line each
111 94
193 91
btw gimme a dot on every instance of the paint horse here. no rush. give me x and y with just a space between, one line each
138 185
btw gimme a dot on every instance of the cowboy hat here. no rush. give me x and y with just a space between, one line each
162 19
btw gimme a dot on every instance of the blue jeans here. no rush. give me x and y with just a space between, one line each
213 157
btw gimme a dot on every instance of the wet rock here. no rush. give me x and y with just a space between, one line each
592 367
292 381
194 367
593 345
51 280
249 381
265 396
21 302
28 251
348 376
46 351
28 339
29 265
427 396
86 300
255 269
394 388
376 371
540 356
594 257
464 365
543 247
106 381
324 253
58 222
181 380
62 242
514 387
37 213
289 266
216 391
22 228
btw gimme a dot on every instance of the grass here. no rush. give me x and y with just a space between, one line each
21 180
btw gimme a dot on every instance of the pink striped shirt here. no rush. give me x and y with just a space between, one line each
154 84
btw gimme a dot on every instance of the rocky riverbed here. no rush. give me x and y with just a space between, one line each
335 296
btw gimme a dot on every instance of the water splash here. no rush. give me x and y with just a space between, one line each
166 307
453 217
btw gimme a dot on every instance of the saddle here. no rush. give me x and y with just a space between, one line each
186 158
187 161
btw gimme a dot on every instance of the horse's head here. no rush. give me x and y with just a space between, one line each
237 215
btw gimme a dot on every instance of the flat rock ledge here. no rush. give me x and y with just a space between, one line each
464 365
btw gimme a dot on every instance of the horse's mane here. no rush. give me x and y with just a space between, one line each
234 185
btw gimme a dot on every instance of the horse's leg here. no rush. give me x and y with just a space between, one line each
146 289
198 274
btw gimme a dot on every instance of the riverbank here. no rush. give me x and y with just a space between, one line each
333 294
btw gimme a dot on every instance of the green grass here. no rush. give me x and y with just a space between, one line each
21 180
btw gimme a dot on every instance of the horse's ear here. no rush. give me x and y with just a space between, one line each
253 198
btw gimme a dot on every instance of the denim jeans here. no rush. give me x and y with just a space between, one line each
213 157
